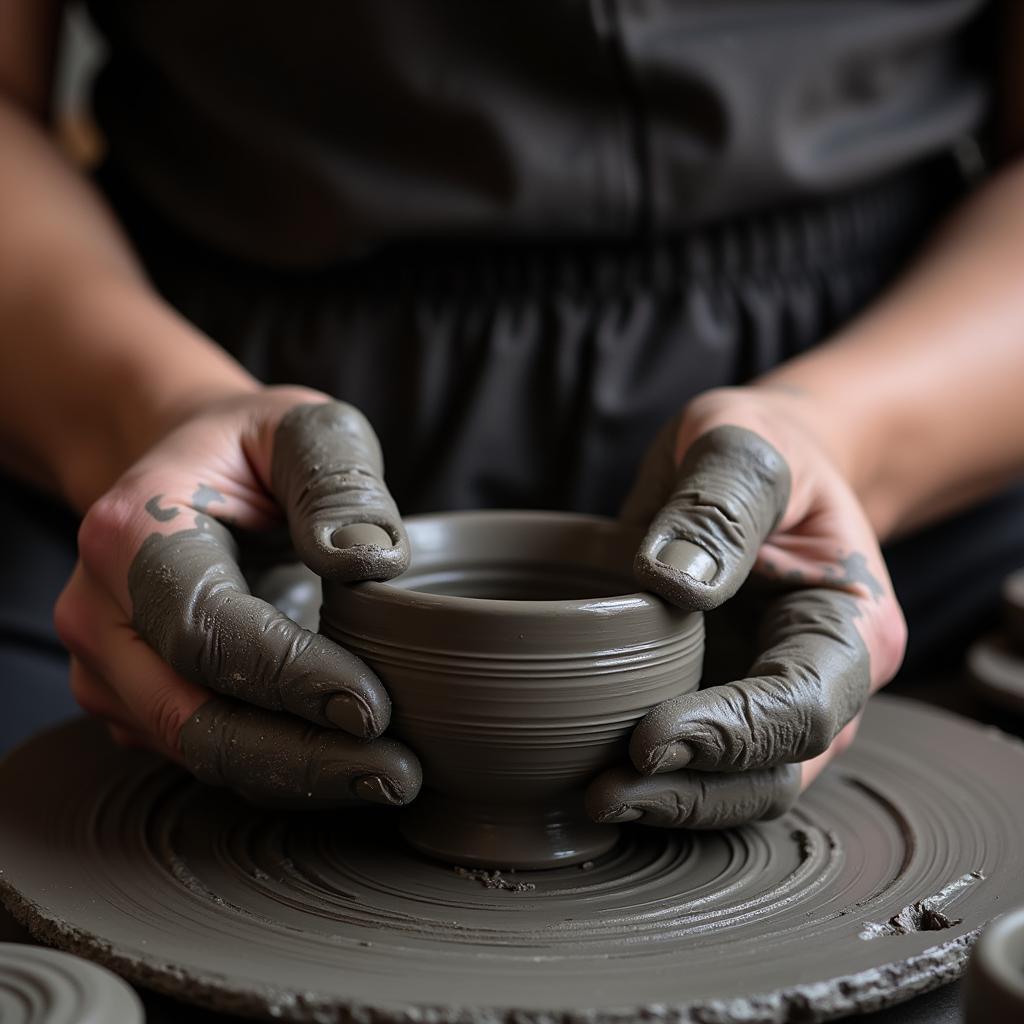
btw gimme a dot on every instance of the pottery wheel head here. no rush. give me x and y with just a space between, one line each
872 889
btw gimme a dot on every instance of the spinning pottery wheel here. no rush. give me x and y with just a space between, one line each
870 891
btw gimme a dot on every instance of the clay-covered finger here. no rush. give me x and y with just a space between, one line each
811 679
192 605
278 761
692 799
327 471
730 491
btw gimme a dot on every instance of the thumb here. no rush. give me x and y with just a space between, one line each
730 491
327 472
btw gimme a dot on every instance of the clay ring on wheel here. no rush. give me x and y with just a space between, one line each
44 986
994 986
519 655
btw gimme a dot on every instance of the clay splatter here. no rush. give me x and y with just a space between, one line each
494 880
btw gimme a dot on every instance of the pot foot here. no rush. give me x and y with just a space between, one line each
524 837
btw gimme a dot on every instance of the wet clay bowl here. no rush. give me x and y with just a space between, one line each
518 656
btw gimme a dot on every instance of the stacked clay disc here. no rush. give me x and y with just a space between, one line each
996 662
994 986
44 986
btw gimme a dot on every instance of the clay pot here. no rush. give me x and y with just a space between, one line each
993 991
518 659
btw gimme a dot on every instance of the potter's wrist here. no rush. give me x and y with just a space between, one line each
86 468
148 371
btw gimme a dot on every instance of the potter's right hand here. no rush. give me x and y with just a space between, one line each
169 646
739 486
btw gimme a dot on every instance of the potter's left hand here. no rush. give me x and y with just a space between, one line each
739 485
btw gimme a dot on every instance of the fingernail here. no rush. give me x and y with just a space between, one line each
619 815
361 535
377 790
351 713
668 758
690 559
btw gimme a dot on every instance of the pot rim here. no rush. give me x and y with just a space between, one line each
635 602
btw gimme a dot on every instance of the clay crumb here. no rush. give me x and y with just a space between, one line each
924 915
918 917
804 842
494 880
587 865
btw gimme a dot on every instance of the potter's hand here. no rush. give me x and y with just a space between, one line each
169 646
739 485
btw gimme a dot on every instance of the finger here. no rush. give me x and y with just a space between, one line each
692 799
191 603
271 758
95 697
155 699
327 471
730 491
276 760
811 679
131 739
810 770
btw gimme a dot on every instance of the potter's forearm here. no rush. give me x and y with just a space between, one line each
93 364
920 398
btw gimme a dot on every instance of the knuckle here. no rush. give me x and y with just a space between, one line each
819 728
65 618
176 642
165 716
891 644
84 693
266 670
843 741
72 621
103 529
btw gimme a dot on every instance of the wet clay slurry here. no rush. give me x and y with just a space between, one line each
870 890
518 658
44 986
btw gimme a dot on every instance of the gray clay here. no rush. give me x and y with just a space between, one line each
705 523
813 669
44 986
361 535
706 520
871 890
292 589
327 472
193 606
994 986
518 657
